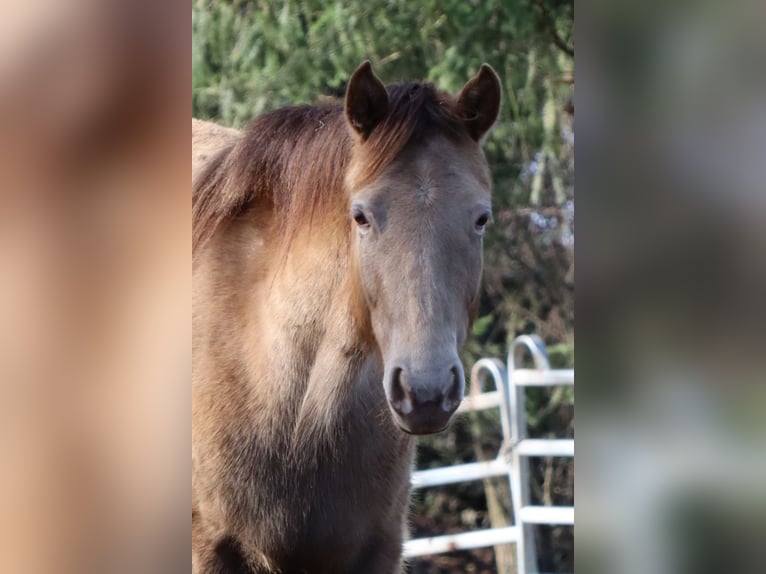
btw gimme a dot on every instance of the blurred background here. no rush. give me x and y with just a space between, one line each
252 56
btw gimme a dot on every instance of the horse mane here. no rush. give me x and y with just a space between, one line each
297 158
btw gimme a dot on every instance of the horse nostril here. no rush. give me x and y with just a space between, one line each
401 394
454 393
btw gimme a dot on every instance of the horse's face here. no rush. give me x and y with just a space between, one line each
417 254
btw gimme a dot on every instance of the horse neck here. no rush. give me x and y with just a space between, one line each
313 349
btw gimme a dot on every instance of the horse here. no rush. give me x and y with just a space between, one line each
337 259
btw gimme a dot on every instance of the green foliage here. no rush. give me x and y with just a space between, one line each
561 355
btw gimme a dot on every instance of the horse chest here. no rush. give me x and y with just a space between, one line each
334 503
337 481
359 501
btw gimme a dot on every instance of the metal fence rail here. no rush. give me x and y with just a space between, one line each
512 460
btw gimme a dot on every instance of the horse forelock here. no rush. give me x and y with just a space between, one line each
416 112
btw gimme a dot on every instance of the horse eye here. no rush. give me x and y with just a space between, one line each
482 221
360 219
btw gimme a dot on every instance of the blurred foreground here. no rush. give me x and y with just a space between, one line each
94 288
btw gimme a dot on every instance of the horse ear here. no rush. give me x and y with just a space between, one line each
366 100
479 102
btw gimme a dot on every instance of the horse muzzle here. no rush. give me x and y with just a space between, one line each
423 402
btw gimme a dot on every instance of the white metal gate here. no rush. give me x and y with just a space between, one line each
509 396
